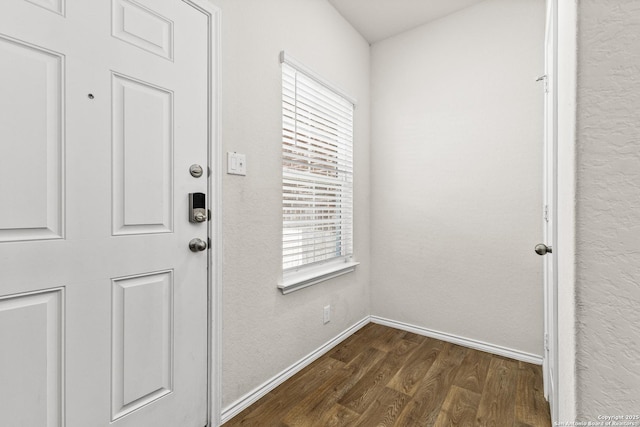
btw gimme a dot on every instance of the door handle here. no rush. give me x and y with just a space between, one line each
197 245
542 249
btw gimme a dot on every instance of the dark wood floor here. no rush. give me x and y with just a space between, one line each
382 376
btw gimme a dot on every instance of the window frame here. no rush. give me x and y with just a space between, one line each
309 273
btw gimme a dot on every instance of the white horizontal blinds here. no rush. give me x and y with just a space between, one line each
317 171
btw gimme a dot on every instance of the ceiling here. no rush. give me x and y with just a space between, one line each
378 19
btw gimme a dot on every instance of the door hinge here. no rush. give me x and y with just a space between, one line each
546 342
546 213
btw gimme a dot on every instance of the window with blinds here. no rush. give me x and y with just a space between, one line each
317 172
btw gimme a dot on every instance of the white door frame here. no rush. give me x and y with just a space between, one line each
566 55
550 190
563 92
215 206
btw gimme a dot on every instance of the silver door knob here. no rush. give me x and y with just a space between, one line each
200 217
197 245
542 249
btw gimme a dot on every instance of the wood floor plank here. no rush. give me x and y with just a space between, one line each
365 391
531 407
473 371
269 412
368 380
497 405
355 344
459 408
387 338
313 404
323 400
336 416
410 336
308 379
423 409
267 408
408 378
384 411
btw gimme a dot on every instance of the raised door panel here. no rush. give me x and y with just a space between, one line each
56 6
142 157
142 27
31 152
142 352
31 360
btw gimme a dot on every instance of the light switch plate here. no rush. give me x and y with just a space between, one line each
236 163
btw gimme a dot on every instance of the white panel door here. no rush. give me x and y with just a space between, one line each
103 306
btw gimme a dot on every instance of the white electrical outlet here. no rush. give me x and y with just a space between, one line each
326 318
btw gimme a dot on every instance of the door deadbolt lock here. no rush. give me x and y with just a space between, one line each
196 171
197 207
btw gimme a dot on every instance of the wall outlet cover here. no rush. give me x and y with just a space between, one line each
326 317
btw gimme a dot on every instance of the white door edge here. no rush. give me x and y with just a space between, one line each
215 225
214 182
566 45
550 363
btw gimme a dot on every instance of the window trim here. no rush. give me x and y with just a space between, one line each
313 274
303 276
285 58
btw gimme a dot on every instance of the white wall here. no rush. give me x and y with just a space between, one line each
457 175
608 208
264 331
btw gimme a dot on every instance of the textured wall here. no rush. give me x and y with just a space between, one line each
457 121
264 331
608 208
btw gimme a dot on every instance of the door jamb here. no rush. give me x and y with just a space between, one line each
565 87
551 201
566 54
214 232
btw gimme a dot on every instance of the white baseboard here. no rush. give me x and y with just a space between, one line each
466 342
250 398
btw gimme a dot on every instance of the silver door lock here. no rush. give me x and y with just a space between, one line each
196 171
197 207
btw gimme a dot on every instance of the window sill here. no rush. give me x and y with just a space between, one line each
308 277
